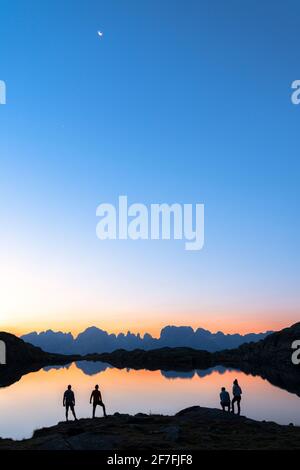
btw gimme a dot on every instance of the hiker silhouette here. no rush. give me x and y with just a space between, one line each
237 396
225 399
96 398
69 402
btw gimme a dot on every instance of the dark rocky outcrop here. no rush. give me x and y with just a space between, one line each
22 358
273 351
195 428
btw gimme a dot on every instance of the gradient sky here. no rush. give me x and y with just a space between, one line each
181 101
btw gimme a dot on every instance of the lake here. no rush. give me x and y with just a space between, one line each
36 400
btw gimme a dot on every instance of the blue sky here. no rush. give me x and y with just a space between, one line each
180 101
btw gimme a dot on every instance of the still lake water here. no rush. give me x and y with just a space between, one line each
36 400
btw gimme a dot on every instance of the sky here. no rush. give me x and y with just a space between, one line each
179 101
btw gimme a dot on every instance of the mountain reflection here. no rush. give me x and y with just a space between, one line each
96 367
61 366
172 374
93 368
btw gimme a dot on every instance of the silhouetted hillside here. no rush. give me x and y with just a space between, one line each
18 352
273 351
176 359
22 358
95 340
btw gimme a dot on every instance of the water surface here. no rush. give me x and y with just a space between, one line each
36 400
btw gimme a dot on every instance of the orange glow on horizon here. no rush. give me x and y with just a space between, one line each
213 325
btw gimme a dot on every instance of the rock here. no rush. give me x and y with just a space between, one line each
90 441
191 409
195 428
56 442
172 433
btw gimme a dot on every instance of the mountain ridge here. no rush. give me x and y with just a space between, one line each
96 340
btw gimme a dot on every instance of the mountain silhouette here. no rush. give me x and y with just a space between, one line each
95 340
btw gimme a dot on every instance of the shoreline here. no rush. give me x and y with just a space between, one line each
194 428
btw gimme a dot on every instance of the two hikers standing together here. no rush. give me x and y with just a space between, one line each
69 401
228 404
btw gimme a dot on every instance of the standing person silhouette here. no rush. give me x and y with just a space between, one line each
96 397
69 402
237 396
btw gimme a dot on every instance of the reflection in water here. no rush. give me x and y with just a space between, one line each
172 374
36 400
64 366
92 368
220 369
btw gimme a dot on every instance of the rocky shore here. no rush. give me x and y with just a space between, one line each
194 428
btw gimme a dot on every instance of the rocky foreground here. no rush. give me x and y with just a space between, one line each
194 428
